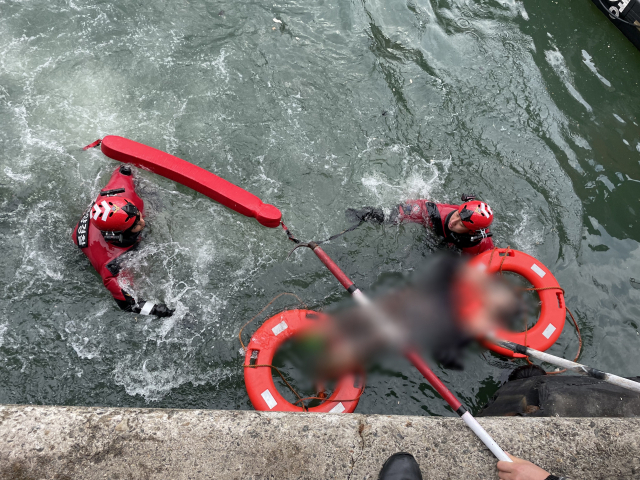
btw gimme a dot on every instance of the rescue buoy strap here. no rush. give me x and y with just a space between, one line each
506 254
244 348
93 145
522 349
575 324
304 407
301 400
332 400
319 242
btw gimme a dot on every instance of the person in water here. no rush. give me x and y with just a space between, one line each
464 226
110 227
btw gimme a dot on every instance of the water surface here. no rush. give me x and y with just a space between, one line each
345 103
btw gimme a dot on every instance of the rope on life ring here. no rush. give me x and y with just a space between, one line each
264 344
552 310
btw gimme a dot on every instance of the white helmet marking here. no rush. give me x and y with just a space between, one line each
484 212
106 210
97 211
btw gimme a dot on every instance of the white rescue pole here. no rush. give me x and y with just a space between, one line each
568 364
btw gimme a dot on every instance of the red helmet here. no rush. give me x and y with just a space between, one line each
475 215
114 214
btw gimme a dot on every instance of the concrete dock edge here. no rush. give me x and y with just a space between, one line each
62 443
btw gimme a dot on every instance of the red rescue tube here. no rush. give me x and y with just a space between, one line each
264 344
552 308
333 268
192 176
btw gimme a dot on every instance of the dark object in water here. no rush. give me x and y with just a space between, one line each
526 371
221 13
624 14
562 396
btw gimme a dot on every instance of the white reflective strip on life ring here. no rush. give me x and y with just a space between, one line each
146 308
105 214
548 331
541 273
96 211
279 328
339 408
268 398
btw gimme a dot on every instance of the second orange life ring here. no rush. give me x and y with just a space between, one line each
264 344
552 310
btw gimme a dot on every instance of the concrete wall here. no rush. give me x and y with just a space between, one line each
116 443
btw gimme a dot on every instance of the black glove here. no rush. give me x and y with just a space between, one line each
161 310
366 214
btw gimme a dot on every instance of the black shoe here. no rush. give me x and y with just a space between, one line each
400 466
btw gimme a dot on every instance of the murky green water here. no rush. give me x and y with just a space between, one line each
532 105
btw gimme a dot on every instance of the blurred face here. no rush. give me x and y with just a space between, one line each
138 226
456 225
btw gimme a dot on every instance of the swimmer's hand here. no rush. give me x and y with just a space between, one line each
366 214
161 310
520 469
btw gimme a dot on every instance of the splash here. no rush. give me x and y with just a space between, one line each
420 179
154 383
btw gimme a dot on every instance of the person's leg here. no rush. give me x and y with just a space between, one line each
400 466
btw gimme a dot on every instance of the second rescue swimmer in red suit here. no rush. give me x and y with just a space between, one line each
110 227
463 226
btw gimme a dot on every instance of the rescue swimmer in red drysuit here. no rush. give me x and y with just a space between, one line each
110 227
464 226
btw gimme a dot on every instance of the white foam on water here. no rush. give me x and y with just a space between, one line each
154 384
83 348
182 273
557 62
179 274
275 184
27 137
607 183
588 61
3 328
525 237
16 176
421 180
39 265
581 142
219 65
84 335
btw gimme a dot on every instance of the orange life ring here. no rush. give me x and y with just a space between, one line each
261 349
552 308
